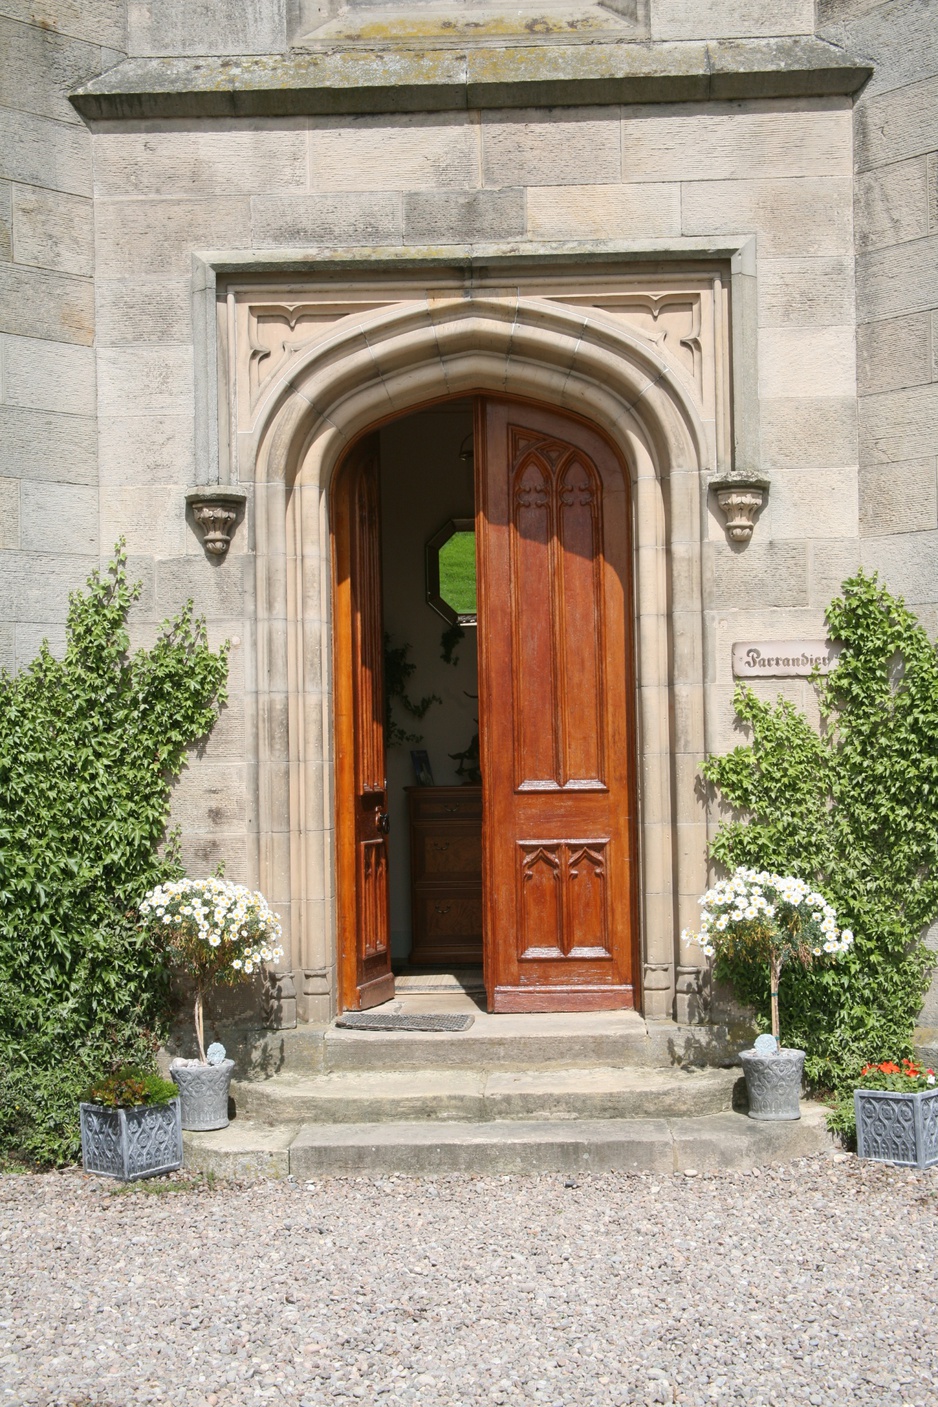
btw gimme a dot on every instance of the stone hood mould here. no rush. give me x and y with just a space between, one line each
402 78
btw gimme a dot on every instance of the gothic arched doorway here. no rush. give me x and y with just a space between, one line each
555 708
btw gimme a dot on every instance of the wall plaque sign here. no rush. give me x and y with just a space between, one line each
783 659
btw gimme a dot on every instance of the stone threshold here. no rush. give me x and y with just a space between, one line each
399 78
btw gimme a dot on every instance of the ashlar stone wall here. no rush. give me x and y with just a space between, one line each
99 225
235 27
48 459
661 177
896 213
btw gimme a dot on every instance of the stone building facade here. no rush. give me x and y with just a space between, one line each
237 236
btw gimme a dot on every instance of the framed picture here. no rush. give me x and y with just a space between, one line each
422 770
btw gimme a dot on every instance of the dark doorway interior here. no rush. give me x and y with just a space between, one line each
427 483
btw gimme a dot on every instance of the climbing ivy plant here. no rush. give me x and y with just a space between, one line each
89 747
398 668
854 810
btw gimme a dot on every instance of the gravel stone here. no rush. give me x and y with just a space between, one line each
812 1283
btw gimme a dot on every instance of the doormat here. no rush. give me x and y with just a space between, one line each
400 1021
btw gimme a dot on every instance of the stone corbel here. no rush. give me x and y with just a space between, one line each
740 497
216 509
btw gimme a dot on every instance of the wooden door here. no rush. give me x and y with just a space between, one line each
555 686
365 977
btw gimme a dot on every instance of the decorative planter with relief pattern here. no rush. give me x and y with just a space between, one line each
773 1083
141 1141
896 1127
203 1090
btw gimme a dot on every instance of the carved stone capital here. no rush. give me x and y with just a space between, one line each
216 509
740 497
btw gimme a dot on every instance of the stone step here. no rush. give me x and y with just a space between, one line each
359 1097
717 1141
528 1041
504 1042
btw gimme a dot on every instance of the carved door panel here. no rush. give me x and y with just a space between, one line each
361 785
555 712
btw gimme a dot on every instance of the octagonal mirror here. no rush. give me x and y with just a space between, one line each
451 572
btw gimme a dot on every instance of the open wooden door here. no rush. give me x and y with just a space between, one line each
365 976
555 684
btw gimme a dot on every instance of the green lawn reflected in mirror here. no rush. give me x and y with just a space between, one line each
451 572
458 573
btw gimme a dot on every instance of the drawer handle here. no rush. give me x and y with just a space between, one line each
442 908
452 809
441 845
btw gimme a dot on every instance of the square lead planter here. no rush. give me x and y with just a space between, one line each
131 1143
897 1128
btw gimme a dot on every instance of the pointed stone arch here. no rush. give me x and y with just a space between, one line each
381 365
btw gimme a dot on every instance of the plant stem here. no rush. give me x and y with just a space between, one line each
776 967
199 1031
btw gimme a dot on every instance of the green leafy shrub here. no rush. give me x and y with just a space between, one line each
89 747
852 810
129 1087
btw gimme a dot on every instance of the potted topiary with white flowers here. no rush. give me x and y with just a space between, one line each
214 933
773 919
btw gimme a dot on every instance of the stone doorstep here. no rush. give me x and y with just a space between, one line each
477 1096
718 1141
505 1042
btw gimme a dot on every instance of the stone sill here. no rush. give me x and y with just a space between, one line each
358 80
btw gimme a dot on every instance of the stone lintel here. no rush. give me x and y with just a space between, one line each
401 79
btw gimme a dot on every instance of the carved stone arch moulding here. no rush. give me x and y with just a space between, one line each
290 425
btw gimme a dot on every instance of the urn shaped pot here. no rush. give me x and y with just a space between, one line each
773 1083
142 1141
203 1092
895 1127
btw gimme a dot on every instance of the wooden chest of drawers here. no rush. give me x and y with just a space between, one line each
446 875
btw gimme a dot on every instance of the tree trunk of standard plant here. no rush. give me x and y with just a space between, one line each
776 967
199 1031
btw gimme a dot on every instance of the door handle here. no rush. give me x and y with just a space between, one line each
382 822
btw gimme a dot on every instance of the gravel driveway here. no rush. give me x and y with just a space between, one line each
815 1283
